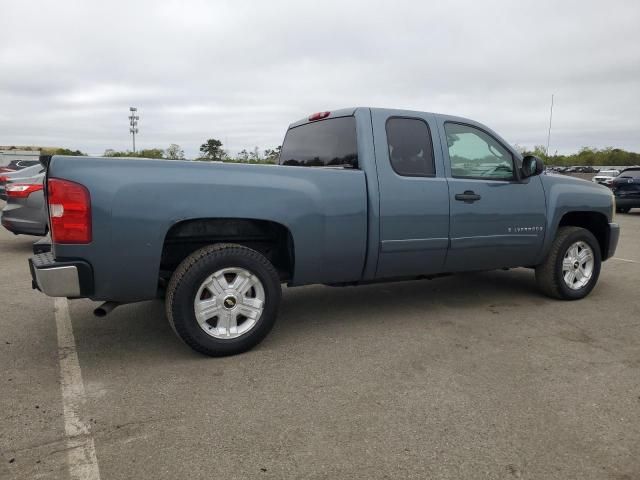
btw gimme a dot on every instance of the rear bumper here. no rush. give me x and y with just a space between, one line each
71 279
21 226
614 236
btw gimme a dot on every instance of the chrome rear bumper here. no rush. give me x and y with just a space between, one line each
71 279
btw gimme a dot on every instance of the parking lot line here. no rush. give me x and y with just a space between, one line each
81 453
625 260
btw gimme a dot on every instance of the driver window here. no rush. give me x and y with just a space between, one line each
475 154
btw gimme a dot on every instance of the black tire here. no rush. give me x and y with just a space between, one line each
549 273
193 271
623 209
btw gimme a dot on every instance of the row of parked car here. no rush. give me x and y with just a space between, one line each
575 169
625 184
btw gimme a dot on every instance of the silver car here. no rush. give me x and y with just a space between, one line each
25 211
605 177
25 174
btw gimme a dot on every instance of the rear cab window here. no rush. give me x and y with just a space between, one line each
325 143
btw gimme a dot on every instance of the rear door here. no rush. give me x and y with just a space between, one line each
497 219
414 198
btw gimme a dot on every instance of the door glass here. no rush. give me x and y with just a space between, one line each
410 148
475 154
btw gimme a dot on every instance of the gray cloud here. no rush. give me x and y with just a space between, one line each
242 71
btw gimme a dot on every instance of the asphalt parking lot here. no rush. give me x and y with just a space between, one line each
472 376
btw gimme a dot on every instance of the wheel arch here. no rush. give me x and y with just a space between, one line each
274 240
596 222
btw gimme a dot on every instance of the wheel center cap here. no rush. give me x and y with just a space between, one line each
576 265
229 302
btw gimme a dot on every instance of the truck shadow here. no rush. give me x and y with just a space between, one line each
142 331
19 244
320 308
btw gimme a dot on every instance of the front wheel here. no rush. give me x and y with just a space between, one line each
572 266
223 299
623 209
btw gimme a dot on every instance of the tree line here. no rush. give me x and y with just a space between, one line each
587 156
210 151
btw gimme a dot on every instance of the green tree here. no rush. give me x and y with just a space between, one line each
145 153
243 156
272 155
255 155
67 151
150 153
110 152
62 151
174 152
212 150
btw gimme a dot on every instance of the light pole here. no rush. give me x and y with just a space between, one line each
550 119
133 125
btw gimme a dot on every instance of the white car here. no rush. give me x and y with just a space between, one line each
605 177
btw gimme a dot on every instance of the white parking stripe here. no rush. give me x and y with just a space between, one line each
624 260
81 453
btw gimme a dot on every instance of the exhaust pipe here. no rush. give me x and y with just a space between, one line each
104 309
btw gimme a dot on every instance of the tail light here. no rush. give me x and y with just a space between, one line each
3 178
69 211
22 190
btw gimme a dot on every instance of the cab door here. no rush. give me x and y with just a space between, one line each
414 198
497 218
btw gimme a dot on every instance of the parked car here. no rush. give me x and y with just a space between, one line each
605 177
24 174
15 165
25 211
21 164
626 188
360 195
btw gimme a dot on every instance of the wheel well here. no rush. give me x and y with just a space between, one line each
271 239
595 222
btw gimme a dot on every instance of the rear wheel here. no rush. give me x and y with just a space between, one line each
223 299
572 267
623 209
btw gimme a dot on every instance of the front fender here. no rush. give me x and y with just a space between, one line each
571 195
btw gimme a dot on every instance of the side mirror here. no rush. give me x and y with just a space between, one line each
531 166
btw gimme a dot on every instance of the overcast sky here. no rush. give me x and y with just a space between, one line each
242 71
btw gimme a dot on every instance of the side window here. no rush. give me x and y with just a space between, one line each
328 143
410 147
473 153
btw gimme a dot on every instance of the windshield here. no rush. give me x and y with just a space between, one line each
631 173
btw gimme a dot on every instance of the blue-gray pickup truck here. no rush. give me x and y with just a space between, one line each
360 195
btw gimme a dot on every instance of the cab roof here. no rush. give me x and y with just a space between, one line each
346 112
